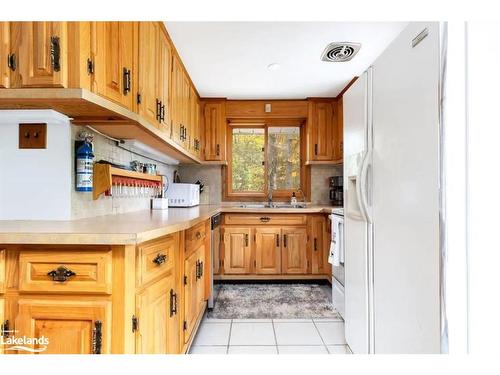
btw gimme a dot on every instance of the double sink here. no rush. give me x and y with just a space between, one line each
277 206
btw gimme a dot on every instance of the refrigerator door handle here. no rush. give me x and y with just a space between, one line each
359 190
362 191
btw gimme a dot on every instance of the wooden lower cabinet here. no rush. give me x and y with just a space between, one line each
320 245
71 326
294 251
194 290
237 251
158 323
281 246
268 251
120 299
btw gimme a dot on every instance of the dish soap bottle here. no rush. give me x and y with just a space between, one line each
293 200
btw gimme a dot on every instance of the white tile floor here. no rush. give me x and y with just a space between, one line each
270 336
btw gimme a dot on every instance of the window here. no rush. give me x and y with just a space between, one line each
263 157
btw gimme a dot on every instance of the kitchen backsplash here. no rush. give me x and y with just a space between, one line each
211 177
82 204
320 184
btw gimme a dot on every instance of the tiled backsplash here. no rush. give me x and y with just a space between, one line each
82 204
211 177
320 185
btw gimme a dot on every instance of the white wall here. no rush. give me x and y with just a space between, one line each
35 184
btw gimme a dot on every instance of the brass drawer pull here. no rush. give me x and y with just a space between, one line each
61 274
265 219
173 303
160 259
198 235
97 337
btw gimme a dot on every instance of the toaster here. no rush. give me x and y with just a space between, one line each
183 195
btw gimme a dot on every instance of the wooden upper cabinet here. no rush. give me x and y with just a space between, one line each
164 81
2 320
158 328
268 251
114 49
148 98
71 326
178 102
294 251
214 125
40 52
195 131
321 130
4 54
237 251
338 151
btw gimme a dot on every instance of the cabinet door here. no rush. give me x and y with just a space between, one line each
177 101
113 45
164 81
41 54
294 251
267 251
148 105
237 251
158 331
191 298
193 121
2 321
319 245
4 54
338 152
321 131
200 284
214 131
71 326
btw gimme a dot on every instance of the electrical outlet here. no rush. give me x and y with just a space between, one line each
33 136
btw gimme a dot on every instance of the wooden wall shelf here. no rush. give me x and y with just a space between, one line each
103 177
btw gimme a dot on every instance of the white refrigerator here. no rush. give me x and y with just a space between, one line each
392 199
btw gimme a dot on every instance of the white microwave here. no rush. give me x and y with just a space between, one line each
183 195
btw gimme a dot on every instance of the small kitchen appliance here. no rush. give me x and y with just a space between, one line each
337 190
183 195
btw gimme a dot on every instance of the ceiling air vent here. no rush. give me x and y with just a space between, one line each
340 52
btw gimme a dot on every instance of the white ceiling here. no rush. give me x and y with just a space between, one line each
230 59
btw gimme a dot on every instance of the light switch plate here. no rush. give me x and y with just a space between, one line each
33 136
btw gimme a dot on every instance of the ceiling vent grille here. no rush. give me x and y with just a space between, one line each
340 52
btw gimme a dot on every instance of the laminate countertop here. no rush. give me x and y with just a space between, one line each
123 229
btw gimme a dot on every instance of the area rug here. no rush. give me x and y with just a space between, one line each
272 301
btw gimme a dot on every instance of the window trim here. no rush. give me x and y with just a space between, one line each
278 195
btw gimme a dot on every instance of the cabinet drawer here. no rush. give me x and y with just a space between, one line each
156 258
65 271
265 219
2 270
195 237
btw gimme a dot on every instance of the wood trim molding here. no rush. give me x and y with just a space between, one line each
346 88
278 196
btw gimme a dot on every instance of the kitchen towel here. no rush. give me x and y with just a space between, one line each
334 257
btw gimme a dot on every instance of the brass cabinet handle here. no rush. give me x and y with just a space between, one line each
97 337
61 274
265 219
160 259
284 240
55 53
173 303
198 235
127 86
11 62
246 239
277 240
217 148
315 244
158 110
315 149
